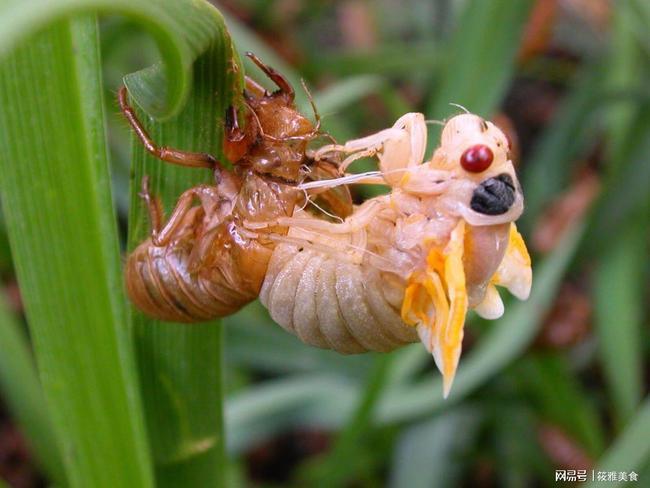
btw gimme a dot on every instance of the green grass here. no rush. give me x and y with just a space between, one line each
630 451
56 198
56 195
24 396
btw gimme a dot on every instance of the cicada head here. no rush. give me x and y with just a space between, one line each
283 134
484 187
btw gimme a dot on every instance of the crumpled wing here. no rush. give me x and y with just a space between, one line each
436 302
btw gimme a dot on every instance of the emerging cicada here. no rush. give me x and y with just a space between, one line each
409 264
402 267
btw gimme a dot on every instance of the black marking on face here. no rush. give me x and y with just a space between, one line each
494 196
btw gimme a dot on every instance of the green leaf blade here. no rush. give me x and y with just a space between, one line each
59 214
183 30
631 450
480 61
21 390
181 365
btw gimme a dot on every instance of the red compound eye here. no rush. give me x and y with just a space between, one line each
477 158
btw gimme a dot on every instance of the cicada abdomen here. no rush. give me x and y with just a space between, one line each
202 265
323 294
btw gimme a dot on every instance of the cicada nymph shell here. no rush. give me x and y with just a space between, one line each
203 262
408 265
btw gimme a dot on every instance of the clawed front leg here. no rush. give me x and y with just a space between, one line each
398 148
370 145
283 84
167 154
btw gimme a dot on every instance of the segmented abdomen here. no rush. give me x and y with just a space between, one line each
159 283
334 303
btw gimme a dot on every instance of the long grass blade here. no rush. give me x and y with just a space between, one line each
480 59
56 197
561 399
22 392
181 366
336 468
631 450
620 276
259 412
619 288
548 169
183 30
5 252
433 452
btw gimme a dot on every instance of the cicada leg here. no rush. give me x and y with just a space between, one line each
313 106
352 224
338 198
234 133
153 206
254 89
352 248
167 154
370 145
208 196
398 148
283 84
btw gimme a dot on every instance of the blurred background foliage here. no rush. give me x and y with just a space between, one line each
561 381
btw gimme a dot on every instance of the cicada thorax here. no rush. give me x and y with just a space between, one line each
242 254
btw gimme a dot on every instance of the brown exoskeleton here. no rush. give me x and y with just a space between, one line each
203 263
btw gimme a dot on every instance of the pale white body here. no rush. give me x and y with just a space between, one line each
334 303
342 286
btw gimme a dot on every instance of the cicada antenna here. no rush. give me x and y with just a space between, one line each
312 103
458 105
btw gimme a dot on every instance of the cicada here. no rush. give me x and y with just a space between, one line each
401 267
408 265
